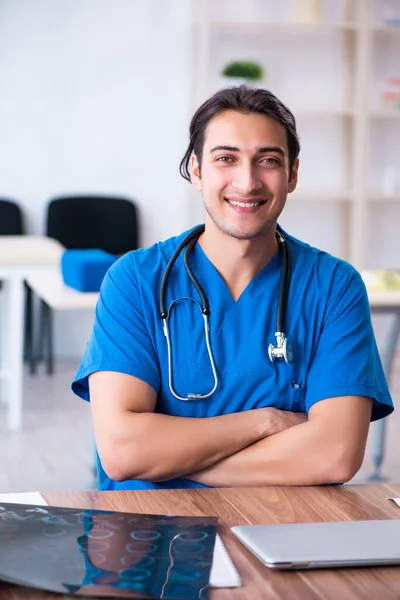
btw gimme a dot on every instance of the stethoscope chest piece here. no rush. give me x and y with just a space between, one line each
283 349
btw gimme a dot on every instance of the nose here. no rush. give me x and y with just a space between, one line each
246 179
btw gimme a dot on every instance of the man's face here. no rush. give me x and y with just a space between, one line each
245 163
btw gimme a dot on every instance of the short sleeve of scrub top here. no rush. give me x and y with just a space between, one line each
120 341
346 361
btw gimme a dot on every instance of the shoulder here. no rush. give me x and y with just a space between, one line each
328 269
334 284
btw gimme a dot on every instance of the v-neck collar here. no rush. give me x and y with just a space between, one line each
207 266
212 283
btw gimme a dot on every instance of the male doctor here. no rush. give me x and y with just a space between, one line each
268 422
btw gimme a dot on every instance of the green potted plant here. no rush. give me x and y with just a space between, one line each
245 71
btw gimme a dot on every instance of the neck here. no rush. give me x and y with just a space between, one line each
237 261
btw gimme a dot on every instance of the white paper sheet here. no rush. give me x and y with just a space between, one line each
24 498
397 500
223 572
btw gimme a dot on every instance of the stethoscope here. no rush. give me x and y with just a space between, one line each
282 349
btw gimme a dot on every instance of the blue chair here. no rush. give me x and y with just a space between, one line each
87 222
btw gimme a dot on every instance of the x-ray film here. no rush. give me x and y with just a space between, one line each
106 553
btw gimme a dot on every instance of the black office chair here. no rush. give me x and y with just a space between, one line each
11 223
10 218
84 222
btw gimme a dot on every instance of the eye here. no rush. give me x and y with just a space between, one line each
224 159
270 160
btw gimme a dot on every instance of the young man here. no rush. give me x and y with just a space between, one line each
213 403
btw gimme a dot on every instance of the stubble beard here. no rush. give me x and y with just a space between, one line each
242 233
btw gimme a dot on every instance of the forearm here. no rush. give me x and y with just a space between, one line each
157 447
302 455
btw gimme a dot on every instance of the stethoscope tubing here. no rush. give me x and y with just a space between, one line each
195 234
284 284
190 396
275 352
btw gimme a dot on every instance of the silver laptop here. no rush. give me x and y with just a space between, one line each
323 545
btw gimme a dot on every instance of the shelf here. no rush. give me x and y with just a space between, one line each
282 26
321 195
386 28
380 197
386 114
334 115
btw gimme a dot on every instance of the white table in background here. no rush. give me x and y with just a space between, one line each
20 257
385 302
51 289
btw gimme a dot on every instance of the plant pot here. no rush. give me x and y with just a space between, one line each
236 81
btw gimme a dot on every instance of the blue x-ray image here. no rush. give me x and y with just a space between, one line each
106 553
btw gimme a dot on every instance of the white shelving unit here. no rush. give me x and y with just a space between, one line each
330 74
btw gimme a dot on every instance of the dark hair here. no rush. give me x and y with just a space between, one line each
246 100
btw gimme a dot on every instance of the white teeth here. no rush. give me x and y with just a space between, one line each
244 204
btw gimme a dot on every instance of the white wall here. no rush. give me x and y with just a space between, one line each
95 98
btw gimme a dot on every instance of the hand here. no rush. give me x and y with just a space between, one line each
279 420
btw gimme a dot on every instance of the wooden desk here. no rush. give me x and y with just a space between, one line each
261 505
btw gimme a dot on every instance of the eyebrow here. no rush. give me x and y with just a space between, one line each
261 150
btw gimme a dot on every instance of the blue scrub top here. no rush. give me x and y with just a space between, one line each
328 323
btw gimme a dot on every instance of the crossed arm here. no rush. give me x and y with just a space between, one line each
258 447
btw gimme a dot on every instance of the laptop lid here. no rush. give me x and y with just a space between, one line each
322 545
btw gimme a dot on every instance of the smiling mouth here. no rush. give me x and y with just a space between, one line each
246 204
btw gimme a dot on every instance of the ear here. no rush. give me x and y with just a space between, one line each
293 176
195 172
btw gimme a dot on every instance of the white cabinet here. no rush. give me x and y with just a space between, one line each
338 76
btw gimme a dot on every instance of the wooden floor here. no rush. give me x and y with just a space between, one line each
55 452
